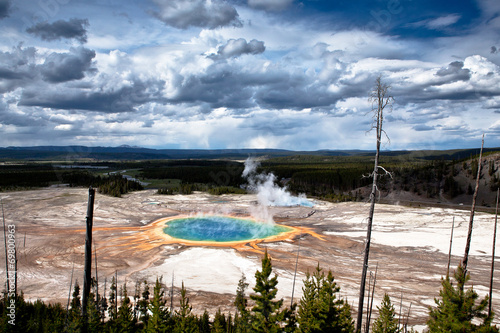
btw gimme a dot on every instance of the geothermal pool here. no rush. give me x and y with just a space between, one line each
221 229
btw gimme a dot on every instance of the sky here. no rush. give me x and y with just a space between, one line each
214 74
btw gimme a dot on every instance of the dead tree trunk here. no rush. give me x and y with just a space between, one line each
473 208
69 296
295 273
6 255
371 302
493 256
380 99
449 252
88 254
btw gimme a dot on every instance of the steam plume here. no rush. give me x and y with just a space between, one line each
268 192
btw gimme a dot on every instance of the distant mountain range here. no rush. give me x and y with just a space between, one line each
70 153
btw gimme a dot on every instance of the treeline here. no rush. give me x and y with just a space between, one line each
15 177
217 173
113 184
319 310
190 188
342 178
27 176
334 178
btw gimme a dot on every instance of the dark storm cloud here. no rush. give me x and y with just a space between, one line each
4 8
423 127
61 67
270 5
17 68
227 85
184 14
274 123
121 99
74 28
454 72
238 47
218 88
295 93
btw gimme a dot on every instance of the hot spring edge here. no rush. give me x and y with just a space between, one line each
221 229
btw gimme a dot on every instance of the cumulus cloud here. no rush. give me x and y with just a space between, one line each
17 67
238 47
270 5
124 98
74 28
209 14
455 71
4 8
62 67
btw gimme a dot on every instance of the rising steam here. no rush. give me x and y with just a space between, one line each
268 192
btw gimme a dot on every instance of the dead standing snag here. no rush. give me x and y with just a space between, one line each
380 99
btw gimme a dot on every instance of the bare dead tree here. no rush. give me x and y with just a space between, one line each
368 303
98 303
172 294
69 294
380 99
295 273
493 255
5 241
88 254
371 303
473 208
400 310
449 252
116 292
407 319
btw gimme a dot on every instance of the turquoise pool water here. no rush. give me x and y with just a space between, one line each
221 229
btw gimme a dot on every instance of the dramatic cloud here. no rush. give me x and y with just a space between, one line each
297 76
17 68
209 14
4 8
102 99
455 71
61 67
74 28
270 5
237 47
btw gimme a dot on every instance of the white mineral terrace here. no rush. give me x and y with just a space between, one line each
409 244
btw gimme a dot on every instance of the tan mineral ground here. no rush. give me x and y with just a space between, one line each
409 244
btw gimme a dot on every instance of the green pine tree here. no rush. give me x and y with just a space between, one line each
204 323
220 324
159 319
95 320
242 318
125 319
319 309
265 314
113 308
186 322
143 303
386 321
457 309
75 312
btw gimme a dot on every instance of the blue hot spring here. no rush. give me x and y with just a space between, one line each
221 229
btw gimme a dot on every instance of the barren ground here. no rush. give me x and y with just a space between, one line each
410 246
